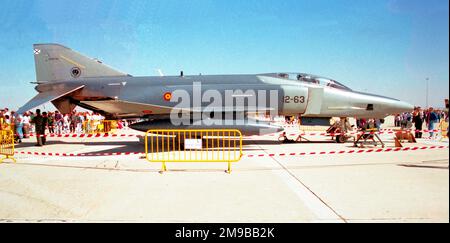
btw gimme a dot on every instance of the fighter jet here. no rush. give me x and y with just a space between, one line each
69 79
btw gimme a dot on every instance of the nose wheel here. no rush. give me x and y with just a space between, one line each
341 139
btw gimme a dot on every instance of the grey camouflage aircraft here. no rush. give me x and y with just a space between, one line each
69 79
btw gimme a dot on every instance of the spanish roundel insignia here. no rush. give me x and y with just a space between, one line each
167 96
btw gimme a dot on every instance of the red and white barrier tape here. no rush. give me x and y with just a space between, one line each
96 135
359 151
78 154
104 135
350 133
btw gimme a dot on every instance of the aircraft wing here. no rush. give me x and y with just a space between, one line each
125 108
228 109
47 96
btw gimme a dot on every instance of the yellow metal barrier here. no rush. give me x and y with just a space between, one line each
443 126
6 126
103 126
7 145
2 124
206 145
107 126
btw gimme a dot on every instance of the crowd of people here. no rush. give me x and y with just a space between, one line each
420 117
365 124
89 122
55 122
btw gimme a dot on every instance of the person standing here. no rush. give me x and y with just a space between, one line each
40 122
362 123
409 118
51 123
26 124
44 137
32 126
73 121
418 122
89 123
59 122
378 124
432 120
18 120
79 121
397 120
426 117
66 123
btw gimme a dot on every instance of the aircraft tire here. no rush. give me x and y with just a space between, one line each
341 139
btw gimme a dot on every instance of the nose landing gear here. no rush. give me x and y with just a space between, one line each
341 139
338 131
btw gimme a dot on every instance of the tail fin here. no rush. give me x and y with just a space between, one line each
56 62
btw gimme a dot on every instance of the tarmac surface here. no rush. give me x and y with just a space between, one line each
267 185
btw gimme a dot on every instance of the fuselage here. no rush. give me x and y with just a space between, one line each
145 96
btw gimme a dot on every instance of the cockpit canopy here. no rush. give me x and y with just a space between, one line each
311 79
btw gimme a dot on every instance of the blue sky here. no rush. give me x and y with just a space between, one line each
388 47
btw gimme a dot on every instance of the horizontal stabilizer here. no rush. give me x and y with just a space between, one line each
47 96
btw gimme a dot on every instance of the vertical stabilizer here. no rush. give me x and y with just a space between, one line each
55 62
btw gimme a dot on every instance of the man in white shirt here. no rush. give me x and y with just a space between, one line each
26 124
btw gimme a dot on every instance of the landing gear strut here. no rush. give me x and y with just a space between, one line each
339 129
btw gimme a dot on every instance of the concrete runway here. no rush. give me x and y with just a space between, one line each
405 186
